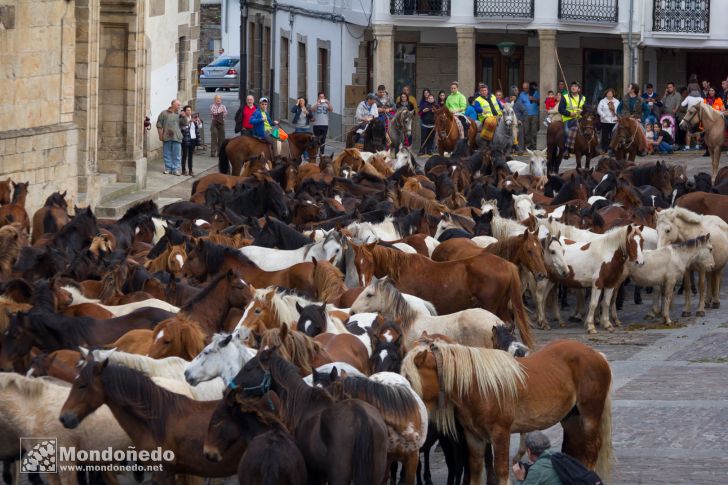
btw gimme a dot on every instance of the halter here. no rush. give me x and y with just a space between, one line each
698 111
631 141
581 132
444 134
263 387
438 362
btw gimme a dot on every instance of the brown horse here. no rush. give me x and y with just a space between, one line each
585 143
152 417
446 130
5 191
495 395
486 281
230 181
236 151
179 336
628 140
705 203
50 218
15 210
207 258
134 342
12 239
714 126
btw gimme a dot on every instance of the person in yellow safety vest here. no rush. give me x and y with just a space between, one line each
570 109
488 103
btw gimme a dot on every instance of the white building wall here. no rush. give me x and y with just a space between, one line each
230 29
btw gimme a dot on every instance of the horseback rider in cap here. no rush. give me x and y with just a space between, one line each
262 124
570 108
365 112
488 118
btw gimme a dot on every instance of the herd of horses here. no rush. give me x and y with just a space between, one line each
323 322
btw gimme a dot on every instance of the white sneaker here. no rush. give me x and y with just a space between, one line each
166 172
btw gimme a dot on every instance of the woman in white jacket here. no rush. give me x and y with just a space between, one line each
607 110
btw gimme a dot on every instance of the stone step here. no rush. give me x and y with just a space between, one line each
115 190
107 179
116 208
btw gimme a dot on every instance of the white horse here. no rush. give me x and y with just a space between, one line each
664 267
557 267
170 368
680 224
535 166
118 310
223 357
596 265
523 205
471 327
367 232
270 259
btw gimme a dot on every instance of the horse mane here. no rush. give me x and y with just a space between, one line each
684 215
613 239
10 246
67 332
210 288
502 227
508 247
328 280
395 303
264 416
32 388
140 396
567 231
108 287
696 242
494 372
415 201
391 260
193 338
214 255
169 367
283 304
396 403
7 307
629 193
297 348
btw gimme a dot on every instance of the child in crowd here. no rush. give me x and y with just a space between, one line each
651 137
473 109
552 108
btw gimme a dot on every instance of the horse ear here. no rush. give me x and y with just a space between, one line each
371 246
283 332
323 308
299 308
313 260
334 374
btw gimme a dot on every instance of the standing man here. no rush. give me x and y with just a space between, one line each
530 99
242 116
570 110
671 101
217 125
321 119
169 128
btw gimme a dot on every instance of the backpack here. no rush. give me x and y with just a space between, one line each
572 472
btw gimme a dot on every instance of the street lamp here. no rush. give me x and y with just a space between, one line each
243 88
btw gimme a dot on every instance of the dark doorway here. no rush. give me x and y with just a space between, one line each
496 70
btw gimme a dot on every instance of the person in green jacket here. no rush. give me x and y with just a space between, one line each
457 103
541 472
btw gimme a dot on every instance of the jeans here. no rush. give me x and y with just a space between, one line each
427 139
530 129
607 129
172 154
664 147
187 151
217 136
320 132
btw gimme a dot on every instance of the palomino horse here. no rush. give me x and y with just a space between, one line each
341 441
496 395
152 416
236 151
714 126
585 143
375 136
400 129
629 139
446 130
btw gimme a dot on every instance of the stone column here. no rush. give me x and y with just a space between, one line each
627 60
548 68
466 58
384 56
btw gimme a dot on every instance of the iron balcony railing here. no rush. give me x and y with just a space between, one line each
606 11
420 7
691 16
504 9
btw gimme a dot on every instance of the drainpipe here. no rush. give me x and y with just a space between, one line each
274 37
630 43
243 89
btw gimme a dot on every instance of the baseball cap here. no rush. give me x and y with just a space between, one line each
263 99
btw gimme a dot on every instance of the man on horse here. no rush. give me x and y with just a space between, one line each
457 103
491 110
262 124
365 112
570 109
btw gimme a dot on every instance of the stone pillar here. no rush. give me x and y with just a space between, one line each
628 60
548 68
466 58
384 56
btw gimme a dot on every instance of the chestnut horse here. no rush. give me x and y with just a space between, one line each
495 395
50 218
629 139
714 126
5 191
446 130
486 281
15 210
236 151
705 203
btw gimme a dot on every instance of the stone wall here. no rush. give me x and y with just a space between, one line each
209 33
437 67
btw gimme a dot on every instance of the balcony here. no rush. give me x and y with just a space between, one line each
420 7
600 11
504 9
690 16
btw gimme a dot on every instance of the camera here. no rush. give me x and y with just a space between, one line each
525 466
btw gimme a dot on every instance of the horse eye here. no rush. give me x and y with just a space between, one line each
167 342
553 252
257 311
82 386
369 295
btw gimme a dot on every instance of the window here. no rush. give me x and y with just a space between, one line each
602 70
224 61
405 56
323 71
301 70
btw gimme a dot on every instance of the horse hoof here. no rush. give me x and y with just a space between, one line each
562 324
610 329
591 331
649 316
617 323
700 313
546 326
716 304
686 314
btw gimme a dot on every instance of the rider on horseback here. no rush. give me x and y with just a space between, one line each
491 109
570 109
365 112
457 103
262 124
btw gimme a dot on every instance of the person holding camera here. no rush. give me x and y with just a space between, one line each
321 120
541 471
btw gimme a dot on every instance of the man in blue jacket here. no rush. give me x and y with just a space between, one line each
530 99
262 124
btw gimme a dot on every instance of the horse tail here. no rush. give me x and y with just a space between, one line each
194 186
49 223
222 159
605 458
364 449
524 326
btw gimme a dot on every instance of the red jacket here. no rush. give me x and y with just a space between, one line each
247 113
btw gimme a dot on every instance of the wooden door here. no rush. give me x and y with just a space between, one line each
498 71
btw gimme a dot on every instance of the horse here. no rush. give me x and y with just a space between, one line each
15 210
375 136
664 267
587 138
152 416
12 239
505 131
628 140
271 455
714 126
50 218
657 174
70 294
400 129
223 357
495 395
446 130
678 224
402 409
238 150
5 191
705 203
269 259
473 326
485 280
341 441
278 234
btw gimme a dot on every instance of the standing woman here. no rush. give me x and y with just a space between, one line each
302 116
427 123
607 110
190 134
217 126
631 104
441 98
321 119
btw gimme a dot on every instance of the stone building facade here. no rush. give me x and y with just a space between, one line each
78 79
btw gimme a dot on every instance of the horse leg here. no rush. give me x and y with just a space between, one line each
637 295
578 314
521 449
620 297
476 452
656 301
490 478
606 303
500 438
688 286
593 303
613 311
700 312
551 300
666 300
717 278
409 468
542 289
393 472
